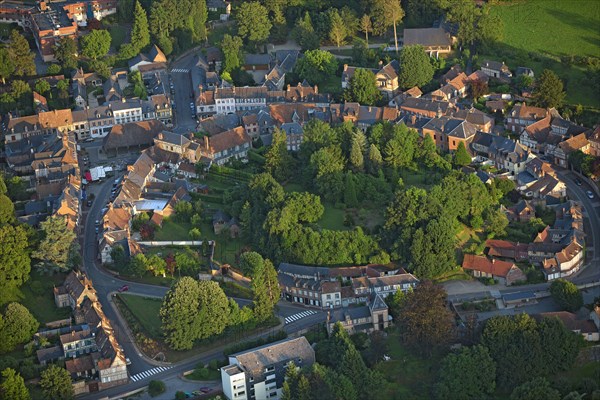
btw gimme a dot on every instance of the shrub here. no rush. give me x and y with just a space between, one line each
179 395
157 387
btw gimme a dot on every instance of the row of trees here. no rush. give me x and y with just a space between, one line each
194 310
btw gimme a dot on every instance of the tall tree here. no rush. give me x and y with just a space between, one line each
96 44
338 30
7 210
363 88
350 198
567 295
253 22
278 161
475 24
179 314
387 13
468 374
425 321
214 309
7 66
65 52
366 26
21 55
15 264
17 326
304 33
375 159
461 156
13 386
357 151
231 46
549 90
56 242
538 388
42 86
140 33
56 383
265 288
316 66
250 262
415 68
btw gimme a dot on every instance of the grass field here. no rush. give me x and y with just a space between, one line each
411 377
537 32
118 36
333 218
172 230
145 311
37 295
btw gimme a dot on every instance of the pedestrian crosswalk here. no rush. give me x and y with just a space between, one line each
296 317
182 70
149 373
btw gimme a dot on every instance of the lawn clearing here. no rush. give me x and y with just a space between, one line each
145 310
38 296
172 230
118 35
333 218
411 377
526 41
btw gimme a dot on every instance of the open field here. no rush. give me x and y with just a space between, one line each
38 296
145 311
538 32
411 377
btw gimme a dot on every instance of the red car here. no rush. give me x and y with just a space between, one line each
123 288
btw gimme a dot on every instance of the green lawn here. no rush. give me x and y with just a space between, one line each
38 296
118 35
198 374
537 32
172 230
412 377
145 311
333 218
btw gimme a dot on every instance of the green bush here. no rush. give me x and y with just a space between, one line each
236 348
156 387
179 395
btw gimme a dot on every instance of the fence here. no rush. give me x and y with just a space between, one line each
154 243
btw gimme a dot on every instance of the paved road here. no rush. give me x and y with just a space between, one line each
181 75
105 283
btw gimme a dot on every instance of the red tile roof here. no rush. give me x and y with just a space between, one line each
484 264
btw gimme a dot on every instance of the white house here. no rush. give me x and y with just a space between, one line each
259 373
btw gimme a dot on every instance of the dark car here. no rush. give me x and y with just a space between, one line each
89 202
123 288
578 182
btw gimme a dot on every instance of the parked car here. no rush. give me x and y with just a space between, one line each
205 389
590 194
578 182
97 222
127 361
123 288
97 229
89 202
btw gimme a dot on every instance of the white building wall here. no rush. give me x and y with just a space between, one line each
231 381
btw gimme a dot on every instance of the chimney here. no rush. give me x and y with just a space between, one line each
316 89
43 6
380 64
345 67
206 145
289 87
413 119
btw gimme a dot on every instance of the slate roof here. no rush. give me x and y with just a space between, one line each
426 37
254 361
133 134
